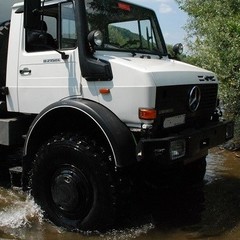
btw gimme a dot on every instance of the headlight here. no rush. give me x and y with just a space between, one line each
177 149
95 38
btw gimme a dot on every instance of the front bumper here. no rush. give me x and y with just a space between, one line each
196 143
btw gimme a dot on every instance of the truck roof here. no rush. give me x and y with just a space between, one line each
47 2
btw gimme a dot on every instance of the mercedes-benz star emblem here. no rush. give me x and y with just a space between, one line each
194 98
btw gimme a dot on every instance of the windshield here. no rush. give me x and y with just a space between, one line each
125 27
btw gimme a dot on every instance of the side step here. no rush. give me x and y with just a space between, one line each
16 177
12 129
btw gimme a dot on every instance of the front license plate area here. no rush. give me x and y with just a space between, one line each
174 121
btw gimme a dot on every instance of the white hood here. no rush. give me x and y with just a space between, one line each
164 71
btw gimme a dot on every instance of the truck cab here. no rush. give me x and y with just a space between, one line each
101 95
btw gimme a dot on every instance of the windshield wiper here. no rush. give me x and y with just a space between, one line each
145 53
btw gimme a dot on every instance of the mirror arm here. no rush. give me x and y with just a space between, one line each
63 54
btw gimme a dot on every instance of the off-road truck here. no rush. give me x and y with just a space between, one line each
88 91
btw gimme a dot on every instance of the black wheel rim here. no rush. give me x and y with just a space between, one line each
71 192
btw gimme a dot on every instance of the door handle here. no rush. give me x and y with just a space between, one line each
25 71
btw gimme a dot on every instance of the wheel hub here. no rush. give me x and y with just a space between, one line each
70 191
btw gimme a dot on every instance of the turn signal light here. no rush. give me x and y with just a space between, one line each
104 90
147 113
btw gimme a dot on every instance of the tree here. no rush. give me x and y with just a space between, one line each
214 41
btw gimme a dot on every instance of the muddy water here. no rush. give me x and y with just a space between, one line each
210 211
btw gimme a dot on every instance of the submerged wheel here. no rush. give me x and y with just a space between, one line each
195 172
72 182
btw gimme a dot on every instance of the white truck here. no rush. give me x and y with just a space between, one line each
90 95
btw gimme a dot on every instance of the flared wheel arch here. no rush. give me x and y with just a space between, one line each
77 115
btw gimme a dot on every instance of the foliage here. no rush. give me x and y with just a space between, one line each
214 43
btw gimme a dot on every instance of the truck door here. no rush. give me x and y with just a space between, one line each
44 76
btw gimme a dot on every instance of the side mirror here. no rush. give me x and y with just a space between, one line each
178 49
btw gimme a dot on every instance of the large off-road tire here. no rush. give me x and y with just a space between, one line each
4 34
72 181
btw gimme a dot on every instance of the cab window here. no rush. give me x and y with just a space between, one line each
55 29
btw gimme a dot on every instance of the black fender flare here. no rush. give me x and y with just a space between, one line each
117 134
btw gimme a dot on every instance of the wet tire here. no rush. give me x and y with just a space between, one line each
195 172
72 182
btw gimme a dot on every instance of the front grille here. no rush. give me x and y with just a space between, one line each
209 97
174 100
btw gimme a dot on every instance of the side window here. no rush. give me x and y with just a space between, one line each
52 30
68 27
51 25
43 35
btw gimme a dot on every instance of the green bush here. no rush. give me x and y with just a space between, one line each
214 42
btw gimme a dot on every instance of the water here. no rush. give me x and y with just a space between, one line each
210 211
